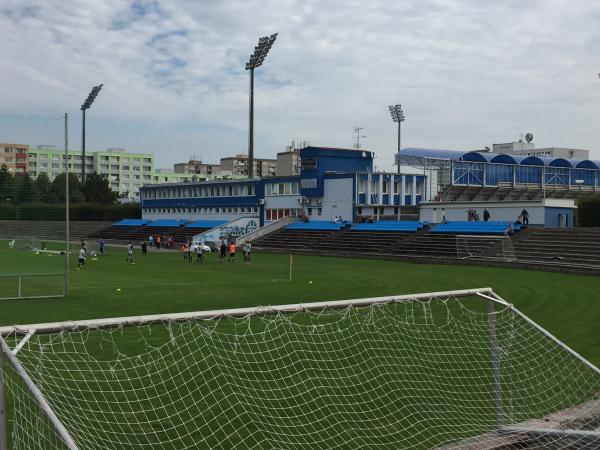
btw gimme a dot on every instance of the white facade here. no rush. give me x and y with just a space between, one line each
539 211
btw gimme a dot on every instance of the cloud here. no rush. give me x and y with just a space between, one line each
468 73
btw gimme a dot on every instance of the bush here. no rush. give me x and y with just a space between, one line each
78 211
588 211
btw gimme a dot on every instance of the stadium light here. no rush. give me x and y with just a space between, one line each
86 105
398 117
256 60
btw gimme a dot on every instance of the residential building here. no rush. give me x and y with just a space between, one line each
238 165
197 167
288 163
15 156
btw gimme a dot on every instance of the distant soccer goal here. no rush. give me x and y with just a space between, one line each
34 204
485 247
460 369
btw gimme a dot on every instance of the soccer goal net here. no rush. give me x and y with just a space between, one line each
485 247
461 369
34 166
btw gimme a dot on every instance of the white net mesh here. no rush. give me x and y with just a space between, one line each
409 375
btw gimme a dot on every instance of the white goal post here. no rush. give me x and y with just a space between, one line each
428 370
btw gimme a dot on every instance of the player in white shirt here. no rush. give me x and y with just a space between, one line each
130 253
81 262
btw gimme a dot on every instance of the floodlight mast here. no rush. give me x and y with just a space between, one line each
256 60
397 116
86 105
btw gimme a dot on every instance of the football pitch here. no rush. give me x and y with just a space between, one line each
566 305
354 394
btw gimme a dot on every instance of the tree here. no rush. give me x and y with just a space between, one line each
23 189
7 184
41 189
97 190
57 189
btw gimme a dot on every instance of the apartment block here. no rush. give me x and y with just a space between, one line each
197 167
15 157
238 165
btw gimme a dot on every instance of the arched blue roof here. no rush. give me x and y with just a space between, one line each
559 162
585 164
529 160
451 155
499 158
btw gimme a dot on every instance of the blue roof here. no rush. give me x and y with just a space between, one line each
431 153
497 158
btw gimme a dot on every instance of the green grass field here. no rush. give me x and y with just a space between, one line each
566 305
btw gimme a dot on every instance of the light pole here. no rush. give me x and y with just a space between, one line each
86 105
256 59
397 116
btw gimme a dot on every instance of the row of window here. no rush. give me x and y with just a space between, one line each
276 214
362 187
228 210
15 150
285 188
232 190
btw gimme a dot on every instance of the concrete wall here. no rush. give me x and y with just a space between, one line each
338 199
543 213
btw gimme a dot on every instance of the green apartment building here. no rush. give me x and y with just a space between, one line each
126 172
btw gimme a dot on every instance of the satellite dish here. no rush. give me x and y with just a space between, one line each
529 138
364 154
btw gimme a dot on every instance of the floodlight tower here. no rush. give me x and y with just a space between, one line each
397 116
86 105
256 59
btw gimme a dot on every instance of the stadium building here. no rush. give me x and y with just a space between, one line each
503 183
333 182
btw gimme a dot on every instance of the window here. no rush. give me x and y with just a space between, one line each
136 169
395 187
319 211
385 187
268 189
125 168
309 211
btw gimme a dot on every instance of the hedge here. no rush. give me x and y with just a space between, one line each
80 211
588 211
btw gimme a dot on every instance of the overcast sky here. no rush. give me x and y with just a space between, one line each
468 73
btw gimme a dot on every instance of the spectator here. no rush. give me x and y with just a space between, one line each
525 218
151 240
444 220
486 215
475 216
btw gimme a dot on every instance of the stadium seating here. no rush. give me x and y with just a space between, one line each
444 246
50 229
296 239
317 225
208 224
464 227
389 225
166 223
131 222
563 246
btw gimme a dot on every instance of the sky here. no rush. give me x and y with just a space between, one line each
468 73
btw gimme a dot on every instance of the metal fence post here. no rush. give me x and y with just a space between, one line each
19 289
495 356
3 426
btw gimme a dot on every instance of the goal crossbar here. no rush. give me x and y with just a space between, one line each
79 325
